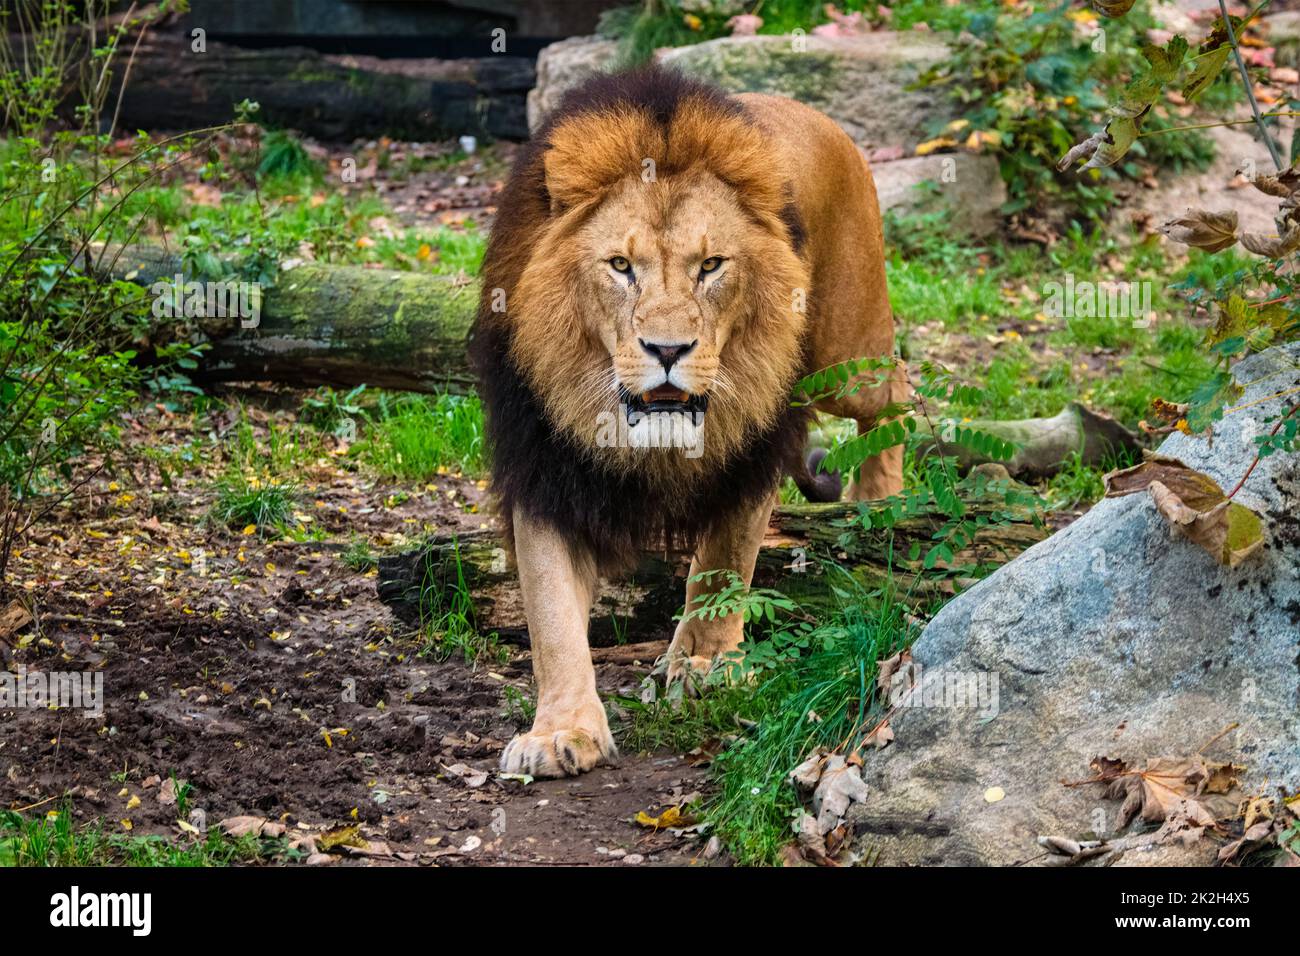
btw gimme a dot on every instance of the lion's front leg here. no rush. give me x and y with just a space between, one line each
570 733
732 545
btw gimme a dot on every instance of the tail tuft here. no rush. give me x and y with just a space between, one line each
818 485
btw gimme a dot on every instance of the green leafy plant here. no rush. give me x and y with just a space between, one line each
359 556
1244 324
1027 82
327 409
283 155
243 502
807 682
68 331
941 490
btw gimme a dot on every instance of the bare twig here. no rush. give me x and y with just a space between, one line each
1250 92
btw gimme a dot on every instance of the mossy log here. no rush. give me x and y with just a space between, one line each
332 325
1045 445
804 546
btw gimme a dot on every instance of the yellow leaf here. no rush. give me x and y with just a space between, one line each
934 145
133 802
250 529
343 836
672 817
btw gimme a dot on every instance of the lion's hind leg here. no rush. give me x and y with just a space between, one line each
701 641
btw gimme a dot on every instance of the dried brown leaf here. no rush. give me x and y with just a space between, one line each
1194 504
1211 231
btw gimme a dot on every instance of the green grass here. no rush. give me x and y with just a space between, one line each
294 214
53 840
827 670
359 556
447 621
416 437
920 292
1074 486
242 501
980 290
283 155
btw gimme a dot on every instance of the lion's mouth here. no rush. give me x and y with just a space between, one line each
662 398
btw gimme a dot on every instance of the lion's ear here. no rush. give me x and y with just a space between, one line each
588 153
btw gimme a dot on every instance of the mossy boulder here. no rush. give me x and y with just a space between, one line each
860 82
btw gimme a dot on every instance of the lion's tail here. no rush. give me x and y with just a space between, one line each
817 485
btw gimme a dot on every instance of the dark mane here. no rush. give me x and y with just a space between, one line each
537 469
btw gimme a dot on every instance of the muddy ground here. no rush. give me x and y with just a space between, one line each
267 674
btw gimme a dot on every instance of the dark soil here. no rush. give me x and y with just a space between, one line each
271 679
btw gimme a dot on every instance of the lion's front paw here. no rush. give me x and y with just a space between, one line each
559 753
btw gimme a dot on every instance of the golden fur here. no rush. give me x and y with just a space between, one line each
661 174
714 189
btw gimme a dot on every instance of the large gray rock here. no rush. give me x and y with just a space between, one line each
562 66
968 185
860 82
1115 637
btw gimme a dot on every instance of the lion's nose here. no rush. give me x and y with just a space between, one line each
667 354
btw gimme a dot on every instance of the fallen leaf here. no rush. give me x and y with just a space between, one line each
257 826
349 836
672 817
1194 504
1211 231
1167 789
468 775
881 737
840 786
13 617
934 145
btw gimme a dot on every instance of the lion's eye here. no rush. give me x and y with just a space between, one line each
711 264
620 264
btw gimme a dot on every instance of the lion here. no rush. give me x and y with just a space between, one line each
666 263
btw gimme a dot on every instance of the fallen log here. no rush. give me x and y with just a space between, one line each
1045 445
800 553
346 325
331 325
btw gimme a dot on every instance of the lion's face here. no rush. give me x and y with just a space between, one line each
659 318
666 270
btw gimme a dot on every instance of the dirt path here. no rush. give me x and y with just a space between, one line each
268 676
